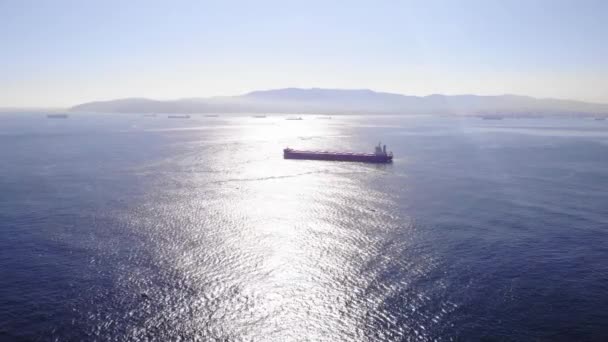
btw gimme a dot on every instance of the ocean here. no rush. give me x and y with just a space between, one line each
121 227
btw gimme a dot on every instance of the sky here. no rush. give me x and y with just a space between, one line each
58 53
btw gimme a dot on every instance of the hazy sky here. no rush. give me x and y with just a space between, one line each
59 53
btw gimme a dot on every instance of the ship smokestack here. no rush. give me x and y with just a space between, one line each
384 149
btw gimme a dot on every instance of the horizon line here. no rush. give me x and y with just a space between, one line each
9 107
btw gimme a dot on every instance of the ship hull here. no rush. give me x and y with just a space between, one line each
337 156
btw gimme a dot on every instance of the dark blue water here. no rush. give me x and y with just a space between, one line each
125 228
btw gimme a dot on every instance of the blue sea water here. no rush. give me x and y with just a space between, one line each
131 228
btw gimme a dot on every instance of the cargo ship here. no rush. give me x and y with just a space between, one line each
57 116
491 117
379 156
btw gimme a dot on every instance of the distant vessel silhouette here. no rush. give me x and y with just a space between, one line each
57 116
178 116
379 156
294 118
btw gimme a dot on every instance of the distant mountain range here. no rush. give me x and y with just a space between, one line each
342 101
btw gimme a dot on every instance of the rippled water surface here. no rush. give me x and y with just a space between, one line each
130 228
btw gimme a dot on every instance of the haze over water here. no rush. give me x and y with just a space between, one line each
122 227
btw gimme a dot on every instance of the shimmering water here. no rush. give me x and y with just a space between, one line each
127 228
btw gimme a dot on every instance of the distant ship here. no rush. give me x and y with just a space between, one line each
57 116
178 116
259 116
296 118
324 117
211 116
600 118
379 156
149 115
491 117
